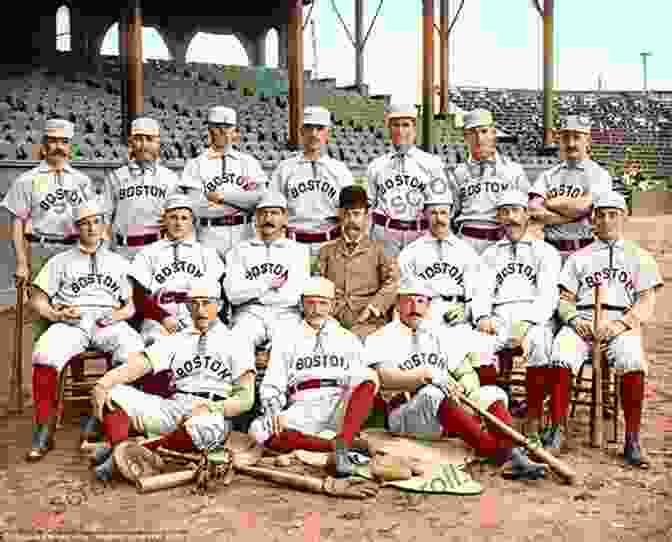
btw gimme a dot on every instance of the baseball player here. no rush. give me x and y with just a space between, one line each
399 181
137 191
210 379
167 269
632 279
450 268
562 197
265 277
86 295
42 202
227 183
522 276
312 181
481 180
415 355
317 368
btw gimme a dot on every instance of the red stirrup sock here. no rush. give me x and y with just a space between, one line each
498 410
116 425
559 394
178 441
487 374
358 409
535 383
45 392
633 398
288 441
456 420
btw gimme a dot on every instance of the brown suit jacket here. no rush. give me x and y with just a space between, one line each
365 276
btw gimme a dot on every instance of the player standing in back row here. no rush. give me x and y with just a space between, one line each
481 180
398 183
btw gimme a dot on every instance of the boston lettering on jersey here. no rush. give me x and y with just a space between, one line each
52 198
313 185
228 178
321 362
180 266
421 358
401 180
570 190
443 268
518 268
209 363
142 190
99 280
256 271
607 273
485 186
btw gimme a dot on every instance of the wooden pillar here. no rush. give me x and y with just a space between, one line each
427 73
359 44
295 71
548 72
444 57
136 78
123 71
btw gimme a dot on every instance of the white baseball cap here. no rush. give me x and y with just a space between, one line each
513 198
145 126
319 287
402 111
90 208
414 287
205 289
316 116
59 128
272 199
178 201
610 199
575 123
221 115
477 118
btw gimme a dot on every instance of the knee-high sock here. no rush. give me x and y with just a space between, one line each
178 441
116 425
45 392
288 441
455 420
358 409
559 394
535 384
633 398
487 374
498 410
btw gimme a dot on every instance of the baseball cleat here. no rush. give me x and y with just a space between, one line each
553 440
41 444
101 455
343 467
633 454
90 429
524 469
105 470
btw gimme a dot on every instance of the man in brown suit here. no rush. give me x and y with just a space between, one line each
366 280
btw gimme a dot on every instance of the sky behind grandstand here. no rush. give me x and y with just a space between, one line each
495 43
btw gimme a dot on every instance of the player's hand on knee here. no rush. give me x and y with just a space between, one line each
100 398
200 409
610 329
71 312
22 272
583 327
279 424
170 324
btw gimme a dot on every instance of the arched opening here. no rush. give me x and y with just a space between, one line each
153 46
272 48
217 49
63 29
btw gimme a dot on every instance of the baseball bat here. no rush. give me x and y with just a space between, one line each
554 463
16 384
597 425
165 481
296 481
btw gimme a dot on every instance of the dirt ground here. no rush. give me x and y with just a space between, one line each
609 502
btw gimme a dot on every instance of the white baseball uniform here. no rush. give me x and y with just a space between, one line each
136 195
174 266
312 188
205 367
478 186
398 346
522 279
627 270
398 186
259 312
310 376
223 226
573 180
47 200
97 283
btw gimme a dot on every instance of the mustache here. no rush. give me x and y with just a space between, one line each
57 152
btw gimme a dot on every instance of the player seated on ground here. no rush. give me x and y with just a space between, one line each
265 276
166 270
522 274
86 295
314 372
415 355
209 379
632 278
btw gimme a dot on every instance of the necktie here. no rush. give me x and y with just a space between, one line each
319 340
176 244
485 164
203 344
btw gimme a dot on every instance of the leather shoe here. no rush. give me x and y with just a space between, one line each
42 443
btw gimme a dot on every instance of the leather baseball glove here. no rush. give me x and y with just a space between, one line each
134 461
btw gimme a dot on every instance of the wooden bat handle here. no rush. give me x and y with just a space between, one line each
553 462
597 434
